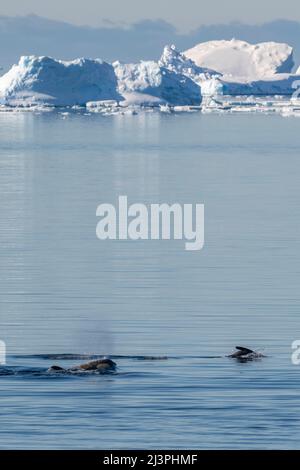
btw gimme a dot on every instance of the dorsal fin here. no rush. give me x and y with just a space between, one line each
244 350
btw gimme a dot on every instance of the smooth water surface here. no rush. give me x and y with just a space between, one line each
64 291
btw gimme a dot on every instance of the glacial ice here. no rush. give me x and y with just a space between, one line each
177 62
277 84
247 69
240 59
43 80
150 79
205 76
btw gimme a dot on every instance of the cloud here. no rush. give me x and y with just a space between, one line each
26 35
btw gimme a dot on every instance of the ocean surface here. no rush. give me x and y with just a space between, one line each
167 316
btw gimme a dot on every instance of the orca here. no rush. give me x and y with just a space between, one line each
244 354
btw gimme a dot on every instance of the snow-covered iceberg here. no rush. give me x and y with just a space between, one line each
241 59
150 81
178 79
43 80
177 62
246 69
243 69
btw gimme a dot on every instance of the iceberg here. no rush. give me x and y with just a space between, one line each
177 80
177 62
46 81
240 59
43 80
259 70
149 80
278 84
212 87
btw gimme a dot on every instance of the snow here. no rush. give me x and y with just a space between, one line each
43 80
241 59
247 69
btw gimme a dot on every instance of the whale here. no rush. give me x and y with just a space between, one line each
100 365
243 353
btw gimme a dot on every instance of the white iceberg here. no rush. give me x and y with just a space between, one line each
240 59
43 80
277 84
177 62
212 87
148 81
247 69
46 81
208 70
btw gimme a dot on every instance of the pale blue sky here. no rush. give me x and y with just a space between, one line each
185 14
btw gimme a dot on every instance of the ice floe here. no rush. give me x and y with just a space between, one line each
251 104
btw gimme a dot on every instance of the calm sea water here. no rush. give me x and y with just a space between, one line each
64 291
